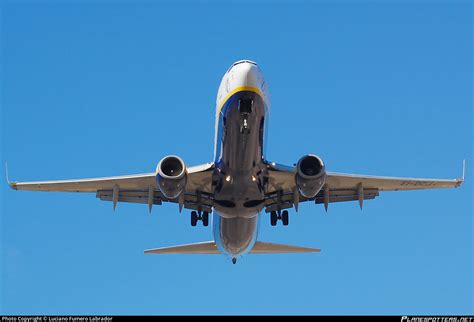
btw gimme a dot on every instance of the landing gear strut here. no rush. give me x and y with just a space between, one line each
279 215
195 217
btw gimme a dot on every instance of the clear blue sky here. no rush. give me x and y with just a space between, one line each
382 88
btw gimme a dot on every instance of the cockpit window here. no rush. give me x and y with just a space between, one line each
240 62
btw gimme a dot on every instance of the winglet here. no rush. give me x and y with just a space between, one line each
10 183
461 180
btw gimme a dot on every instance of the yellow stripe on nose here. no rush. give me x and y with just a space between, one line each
240 89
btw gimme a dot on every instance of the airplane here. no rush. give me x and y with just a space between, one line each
239 184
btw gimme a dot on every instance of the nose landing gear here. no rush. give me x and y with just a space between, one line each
234 260
195 217
279 215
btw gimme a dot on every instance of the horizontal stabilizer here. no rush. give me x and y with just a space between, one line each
270 248
209 247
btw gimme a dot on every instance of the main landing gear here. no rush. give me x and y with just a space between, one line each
195 217
279 215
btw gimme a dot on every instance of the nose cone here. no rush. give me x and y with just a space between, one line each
246 73
244 61
253 77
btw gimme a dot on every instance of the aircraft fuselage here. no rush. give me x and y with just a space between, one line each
241 116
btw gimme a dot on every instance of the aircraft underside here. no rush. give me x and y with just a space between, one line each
239 191
239 184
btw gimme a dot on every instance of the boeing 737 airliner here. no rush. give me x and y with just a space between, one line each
239 183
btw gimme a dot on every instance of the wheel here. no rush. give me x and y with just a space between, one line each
273 218
194 218
205 219
285 218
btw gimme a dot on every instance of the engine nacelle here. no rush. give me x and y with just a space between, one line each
310 175
171 176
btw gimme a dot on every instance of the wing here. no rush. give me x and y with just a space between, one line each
282 192
139 188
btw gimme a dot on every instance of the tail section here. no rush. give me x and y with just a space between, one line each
270 248
210 247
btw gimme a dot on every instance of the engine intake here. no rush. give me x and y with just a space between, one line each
171 176
310 175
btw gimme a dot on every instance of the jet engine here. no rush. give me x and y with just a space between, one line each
310 175
171 176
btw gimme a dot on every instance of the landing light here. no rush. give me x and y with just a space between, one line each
227 178
254 179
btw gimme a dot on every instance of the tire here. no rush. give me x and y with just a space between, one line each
194 218
273 218
205 219
285 218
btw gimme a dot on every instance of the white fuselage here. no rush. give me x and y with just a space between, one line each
240 76
241 115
